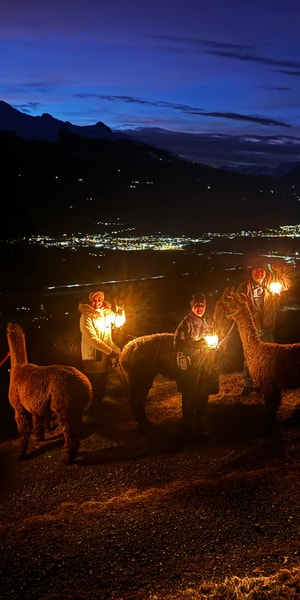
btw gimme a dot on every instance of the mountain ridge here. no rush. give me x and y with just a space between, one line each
48 128
55 178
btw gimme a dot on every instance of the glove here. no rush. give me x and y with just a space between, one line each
114 359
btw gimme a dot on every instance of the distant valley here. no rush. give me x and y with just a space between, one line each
68 179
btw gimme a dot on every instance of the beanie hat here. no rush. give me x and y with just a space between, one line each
198 298
97 293
259 264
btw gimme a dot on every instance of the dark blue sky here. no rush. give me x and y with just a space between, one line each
192 67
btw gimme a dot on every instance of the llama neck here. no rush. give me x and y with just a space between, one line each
17 349
247 330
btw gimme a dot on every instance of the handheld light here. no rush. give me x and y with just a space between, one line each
275 287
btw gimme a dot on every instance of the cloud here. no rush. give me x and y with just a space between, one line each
235 51
218 150
185 109
285 72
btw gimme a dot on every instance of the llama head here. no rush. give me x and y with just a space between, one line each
14 331
13 328
16 342
230 302
233 302
222 323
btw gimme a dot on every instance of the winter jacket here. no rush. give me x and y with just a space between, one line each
263 304
196 361
189 333
96 337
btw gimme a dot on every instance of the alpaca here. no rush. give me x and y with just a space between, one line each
36 391
229 339
140 361
273 367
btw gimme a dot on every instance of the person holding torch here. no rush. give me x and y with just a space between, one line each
98 350
265 289
196 359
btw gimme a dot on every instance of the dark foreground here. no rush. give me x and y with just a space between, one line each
145 515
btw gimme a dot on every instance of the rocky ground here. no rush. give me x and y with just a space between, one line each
143 515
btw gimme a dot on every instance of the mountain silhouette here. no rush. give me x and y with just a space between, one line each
61 178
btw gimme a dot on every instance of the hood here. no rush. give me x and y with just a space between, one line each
88 311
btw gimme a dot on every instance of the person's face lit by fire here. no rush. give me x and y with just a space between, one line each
199 309
97 301
258 275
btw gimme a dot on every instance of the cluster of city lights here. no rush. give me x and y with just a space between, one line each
113 241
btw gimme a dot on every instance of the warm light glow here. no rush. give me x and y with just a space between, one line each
275 287
120 317
212 340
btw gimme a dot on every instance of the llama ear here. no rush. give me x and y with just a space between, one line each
227 294
228 291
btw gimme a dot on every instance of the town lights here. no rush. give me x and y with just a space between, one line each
212 340
275 287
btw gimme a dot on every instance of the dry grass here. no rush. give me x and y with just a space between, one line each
284 585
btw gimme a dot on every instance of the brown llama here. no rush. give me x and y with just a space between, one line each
141 360
229 339
36 391
273 367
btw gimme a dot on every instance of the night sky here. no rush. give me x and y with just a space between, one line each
216 70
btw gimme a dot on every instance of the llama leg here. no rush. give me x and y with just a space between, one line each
99 384
140 383
137 404
71 445
247 376
49 419
38 428
71 429
24 425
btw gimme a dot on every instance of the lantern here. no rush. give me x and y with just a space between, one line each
275 287
212 340
120 317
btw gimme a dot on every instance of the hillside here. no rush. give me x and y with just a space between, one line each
58 178
150 516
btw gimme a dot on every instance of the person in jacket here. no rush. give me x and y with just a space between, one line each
265 290
198 366
98 349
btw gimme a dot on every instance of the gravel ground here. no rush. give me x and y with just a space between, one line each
143 514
